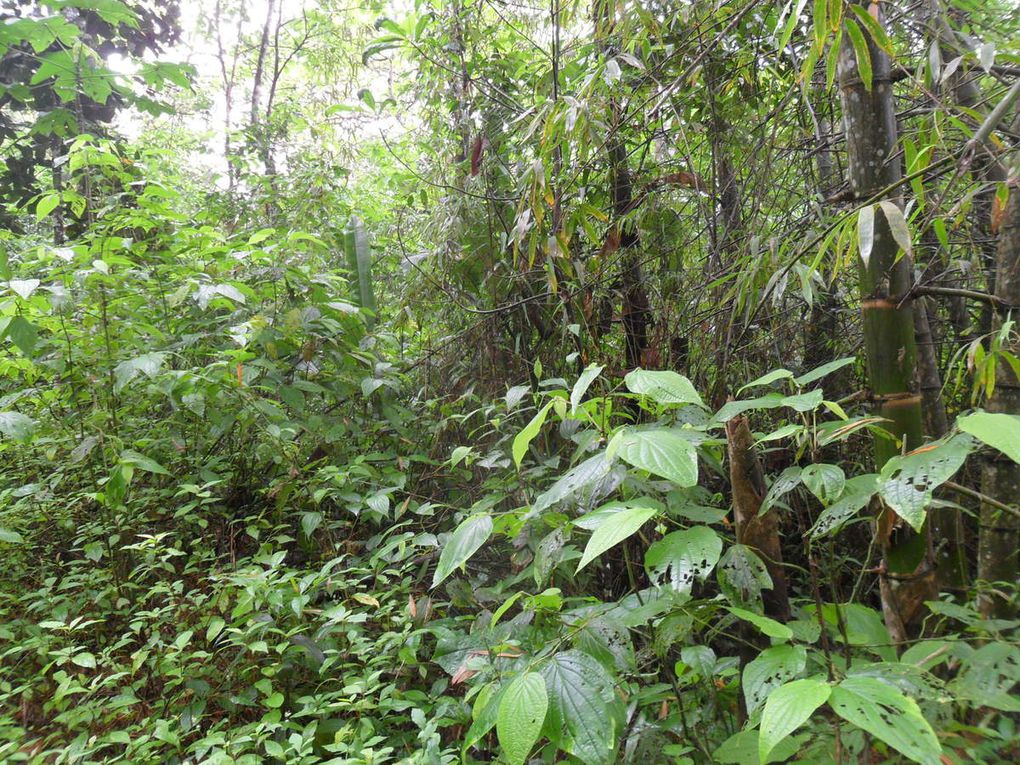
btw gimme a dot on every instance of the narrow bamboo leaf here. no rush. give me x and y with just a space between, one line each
866 232
860 46
616 528
521 714
786 709
874 27
470 535
898 225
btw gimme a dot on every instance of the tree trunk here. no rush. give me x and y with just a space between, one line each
870 122
1000 476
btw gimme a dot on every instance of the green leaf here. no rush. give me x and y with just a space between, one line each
471 534
824 481
786 709
908 482
663 387
523 439
866 232
787 481
663 452
613 530
874 27
860 46
791 24
582 476
685 556
24 288
825 369
581 696
147 364
142 462
769 627
856 495
888 715
216 625
11 537
583 383
767 379
522 712
742 575
1000 431
23 334
770 669
16 425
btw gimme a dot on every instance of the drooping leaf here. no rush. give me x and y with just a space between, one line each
824 370
471 534
684 556
1000 431
898 225
767 625
863 55
787 481
16 425
767 379
521 715
856 495
613 530
888 715
148 364
523 439
663 452
582 476
583 383
786 709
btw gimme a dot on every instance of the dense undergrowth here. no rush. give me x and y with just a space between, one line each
488 492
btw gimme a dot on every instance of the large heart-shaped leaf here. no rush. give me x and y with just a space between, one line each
663 387
1000 431
773 667
684 556
786 709
521 715
580 718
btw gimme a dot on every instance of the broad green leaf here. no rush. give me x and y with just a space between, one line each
663 387
824 481
471 534
147 364
770 669
908 482
1000 431
16 425
663 452
614 530
888 715
580 718
521 714
581 477
10 537
523 439
769 627
787 481
685 556
583 383
786 709
22 333
215 627
856 495
866 232
142 462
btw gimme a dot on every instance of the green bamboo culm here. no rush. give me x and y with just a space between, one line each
359 261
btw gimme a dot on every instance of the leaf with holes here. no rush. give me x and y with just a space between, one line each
613 530
742 575
908 482
787 481
521 715
684 556
581 699
1000 431
772 667
663 387
663 452
888 715
824 481
465 541
856 495
786 709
